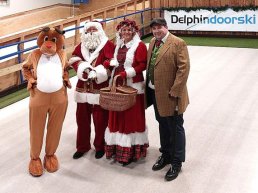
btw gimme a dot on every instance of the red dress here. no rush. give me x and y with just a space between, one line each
126 136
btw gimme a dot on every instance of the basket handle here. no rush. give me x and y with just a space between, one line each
113 87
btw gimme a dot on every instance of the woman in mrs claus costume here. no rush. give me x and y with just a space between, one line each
126 136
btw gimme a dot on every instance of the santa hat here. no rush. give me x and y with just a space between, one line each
95 24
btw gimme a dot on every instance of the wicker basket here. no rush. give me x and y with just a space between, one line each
117 98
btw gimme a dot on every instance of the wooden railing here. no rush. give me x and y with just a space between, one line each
10 74
203 3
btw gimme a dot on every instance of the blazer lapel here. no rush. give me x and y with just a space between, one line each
149 53
151 45
164 48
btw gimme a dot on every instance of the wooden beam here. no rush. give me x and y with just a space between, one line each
135 7
189 3
104 18
115 21
11 69
77 32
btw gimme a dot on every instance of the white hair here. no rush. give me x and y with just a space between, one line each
92 40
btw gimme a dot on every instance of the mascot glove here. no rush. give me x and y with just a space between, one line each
92 74
31 83
67 82
122 74
113 62
82 68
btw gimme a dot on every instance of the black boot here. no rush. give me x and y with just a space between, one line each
78 155
99 154
127 163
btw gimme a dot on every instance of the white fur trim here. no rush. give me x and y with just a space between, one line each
114 62
90 98
97 25
131 52
74 59
130 72
126 140
82 66
102 75
138 85
80 97
129 55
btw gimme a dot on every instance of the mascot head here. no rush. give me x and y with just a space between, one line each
50 40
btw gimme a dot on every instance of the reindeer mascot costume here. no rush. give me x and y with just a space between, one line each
47 75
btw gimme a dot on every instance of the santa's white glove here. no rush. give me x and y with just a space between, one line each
83 66
114 62
92 74
87 70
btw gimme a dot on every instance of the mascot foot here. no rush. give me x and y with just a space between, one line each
35 167
51 163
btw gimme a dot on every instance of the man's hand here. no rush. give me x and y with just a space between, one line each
172 95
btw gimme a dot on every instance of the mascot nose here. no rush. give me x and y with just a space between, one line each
48 45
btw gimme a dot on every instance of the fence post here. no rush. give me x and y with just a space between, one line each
77 32
20 46
142 22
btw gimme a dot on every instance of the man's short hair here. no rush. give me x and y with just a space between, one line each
158 21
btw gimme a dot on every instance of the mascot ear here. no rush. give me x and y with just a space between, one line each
45 29
60 31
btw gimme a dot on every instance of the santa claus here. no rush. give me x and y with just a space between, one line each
91 60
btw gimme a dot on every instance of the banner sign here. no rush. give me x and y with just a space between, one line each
205 20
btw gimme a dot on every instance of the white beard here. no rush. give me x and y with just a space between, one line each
91 40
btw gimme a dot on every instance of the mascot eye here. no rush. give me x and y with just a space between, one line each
54 39
46 38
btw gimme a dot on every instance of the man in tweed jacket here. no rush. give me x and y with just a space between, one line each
167 73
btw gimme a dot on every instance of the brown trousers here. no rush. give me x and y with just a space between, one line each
42 106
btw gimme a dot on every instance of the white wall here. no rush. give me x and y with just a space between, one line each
17 6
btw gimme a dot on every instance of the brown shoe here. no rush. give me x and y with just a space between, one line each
51 163
35 167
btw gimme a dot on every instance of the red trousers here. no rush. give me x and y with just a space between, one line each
83 118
